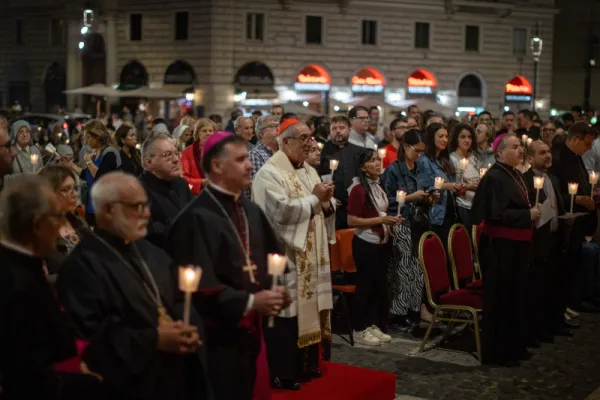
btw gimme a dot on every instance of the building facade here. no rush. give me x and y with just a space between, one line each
465 54
576 56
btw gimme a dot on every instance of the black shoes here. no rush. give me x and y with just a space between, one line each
285 384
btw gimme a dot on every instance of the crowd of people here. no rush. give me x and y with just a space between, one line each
95 226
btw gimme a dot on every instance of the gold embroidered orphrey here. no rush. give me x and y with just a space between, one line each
304 259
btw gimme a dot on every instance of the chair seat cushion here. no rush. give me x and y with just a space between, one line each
345 288
475 285
462 297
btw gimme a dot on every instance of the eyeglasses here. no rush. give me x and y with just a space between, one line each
304 140
405 127
417 151
411 127
67 190
272 126
137 207
167 155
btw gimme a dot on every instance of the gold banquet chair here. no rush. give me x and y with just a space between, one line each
475 236
432 259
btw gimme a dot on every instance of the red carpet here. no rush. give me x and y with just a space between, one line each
344 382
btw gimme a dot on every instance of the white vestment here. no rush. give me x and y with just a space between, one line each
285 195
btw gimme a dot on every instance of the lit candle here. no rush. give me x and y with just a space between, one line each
189 278
401 199
191 186
529 141
593 181
489 166
333 164
276 264
67 141
320 146
34 158
439 181
381 153
482 172
59 134
463 163
538 184
573 187
524 139
138 146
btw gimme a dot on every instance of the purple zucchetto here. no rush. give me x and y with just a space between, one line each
213 140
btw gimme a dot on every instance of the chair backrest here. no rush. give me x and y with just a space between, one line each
476 236
334 256
343 239
461 254
432 258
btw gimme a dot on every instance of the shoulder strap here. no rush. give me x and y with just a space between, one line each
110 149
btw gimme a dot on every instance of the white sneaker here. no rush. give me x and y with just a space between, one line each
375 331
366 338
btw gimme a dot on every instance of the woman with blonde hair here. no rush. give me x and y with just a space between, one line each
104 158
191 159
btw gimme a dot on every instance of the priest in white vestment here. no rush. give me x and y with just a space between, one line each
302 212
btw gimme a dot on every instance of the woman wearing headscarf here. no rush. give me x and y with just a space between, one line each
183 136
28 157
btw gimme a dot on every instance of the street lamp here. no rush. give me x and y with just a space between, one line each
536 52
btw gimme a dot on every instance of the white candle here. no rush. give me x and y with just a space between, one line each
482 172
333 164
191 186
524 139
439 181
381 153
489 166
59 134
529 141
401 199
538 184
320 146
276 265
593 181
34 158
573 191
464 163
138 146
189 279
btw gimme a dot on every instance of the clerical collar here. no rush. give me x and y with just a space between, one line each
507 167
9 244
224 191
111 238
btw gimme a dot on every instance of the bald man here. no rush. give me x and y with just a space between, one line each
545 279
117 289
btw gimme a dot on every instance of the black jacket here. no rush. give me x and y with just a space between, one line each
167 199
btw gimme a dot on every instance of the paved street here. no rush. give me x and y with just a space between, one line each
568 369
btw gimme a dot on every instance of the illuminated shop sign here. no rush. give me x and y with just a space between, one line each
368 80
518 90
421 82
313 78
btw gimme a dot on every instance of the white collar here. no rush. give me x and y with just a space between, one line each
16 247
224 191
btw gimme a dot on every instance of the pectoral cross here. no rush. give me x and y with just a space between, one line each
250 268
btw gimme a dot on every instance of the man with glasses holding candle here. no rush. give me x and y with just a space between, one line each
301 209
545 277
570 169
502 202
117 289
168 191
266 130
28 157
229 236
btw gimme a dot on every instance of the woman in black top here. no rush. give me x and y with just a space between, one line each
126 139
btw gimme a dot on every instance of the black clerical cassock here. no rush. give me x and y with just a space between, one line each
167 199
104 286
502 203
208 233
34 334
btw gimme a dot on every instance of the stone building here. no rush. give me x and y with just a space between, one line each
461 54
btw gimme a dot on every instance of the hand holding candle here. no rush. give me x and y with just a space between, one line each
189 279
482 172
593 181
538 184
333 164
276 265
573 187
438 183
401 199
524 139
138 146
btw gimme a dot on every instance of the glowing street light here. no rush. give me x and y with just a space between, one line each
81 45
84 30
